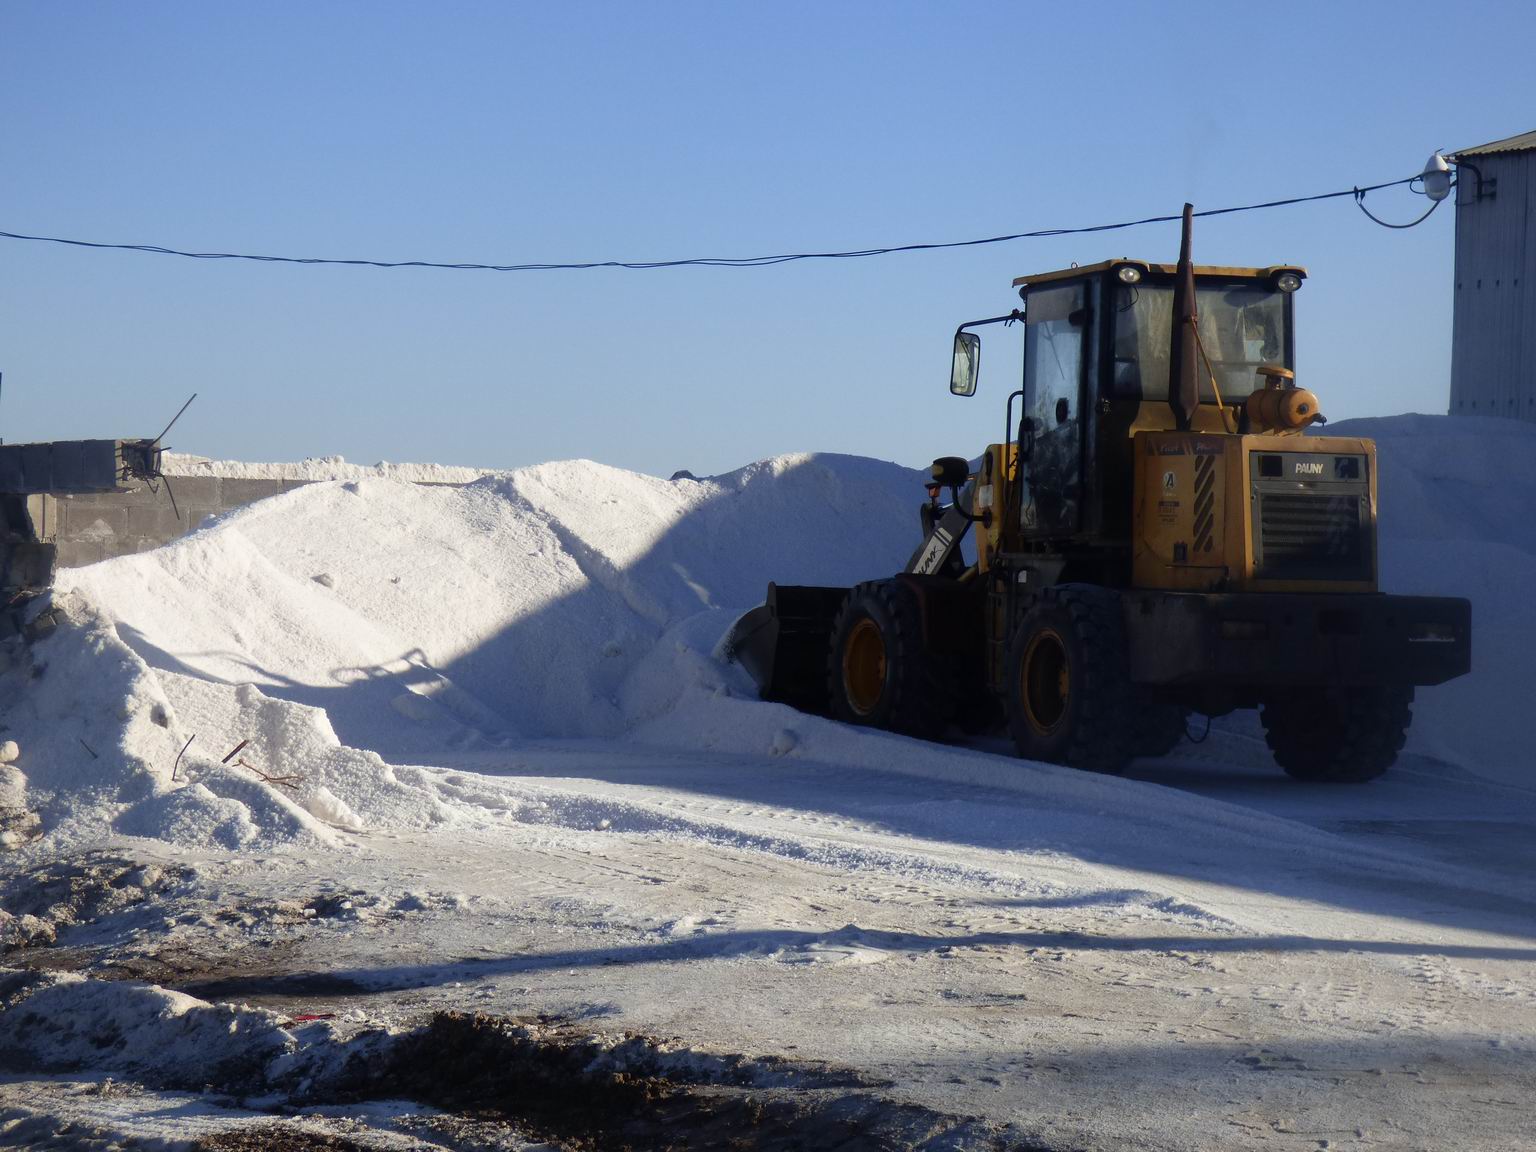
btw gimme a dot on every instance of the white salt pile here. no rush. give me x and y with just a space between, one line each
562 600
343 629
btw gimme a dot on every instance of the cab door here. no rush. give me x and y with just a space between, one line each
1056 357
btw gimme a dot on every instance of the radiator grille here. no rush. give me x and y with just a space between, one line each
1311 536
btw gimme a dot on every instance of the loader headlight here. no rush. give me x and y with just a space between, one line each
1129 274
1287 281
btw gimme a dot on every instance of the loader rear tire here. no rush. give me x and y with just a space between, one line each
1069 697
879 673
1337 736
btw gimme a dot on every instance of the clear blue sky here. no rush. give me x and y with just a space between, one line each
511 132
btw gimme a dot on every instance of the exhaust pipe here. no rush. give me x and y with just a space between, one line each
1183 378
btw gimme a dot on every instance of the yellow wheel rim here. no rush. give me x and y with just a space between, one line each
864 667
1045 681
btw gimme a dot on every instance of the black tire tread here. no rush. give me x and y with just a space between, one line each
919 701
1346 736
1101 737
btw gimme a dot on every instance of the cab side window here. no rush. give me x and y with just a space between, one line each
1053 354
1055 348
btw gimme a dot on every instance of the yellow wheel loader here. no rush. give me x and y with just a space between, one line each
1158 536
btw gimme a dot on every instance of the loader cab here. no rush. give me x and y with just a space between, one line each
1096 371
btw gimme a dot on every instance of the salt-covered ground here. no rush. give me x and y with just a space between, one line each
494 763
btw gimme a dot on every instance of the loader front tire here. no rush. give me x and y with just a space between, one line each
878 670
1069 697
1337 736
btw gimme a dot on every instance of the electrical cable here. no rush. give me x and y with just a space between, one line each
1360 202
713 261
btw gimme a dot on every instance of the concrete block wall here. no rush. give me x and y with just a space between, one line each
99 526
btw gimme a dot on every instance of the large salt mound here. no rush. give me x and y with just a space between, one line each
347 624
514 607
345 621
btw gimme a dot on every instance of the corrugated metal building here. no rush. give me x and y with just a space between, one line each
1493 342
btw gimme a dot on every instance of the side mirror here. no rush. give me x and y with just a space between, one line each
967 364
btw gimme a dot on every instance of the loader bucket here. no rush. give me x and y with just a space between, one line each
783 644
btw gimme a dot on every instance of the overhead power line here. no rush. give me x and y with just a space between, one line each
711 261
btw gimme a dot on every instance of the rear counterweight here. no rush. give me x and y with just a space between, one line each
1274 639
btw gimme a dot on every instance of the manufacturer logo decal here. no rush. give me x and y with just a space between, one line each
938 545
1306 468
1169 482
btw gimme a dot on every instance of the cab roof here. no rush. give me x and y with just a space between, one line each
1160 270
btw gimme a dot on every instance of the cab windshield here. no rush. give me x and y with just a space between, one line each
1242 325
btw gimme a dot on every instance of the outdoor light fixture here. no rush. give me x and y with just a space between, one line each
1129 274
1436 177
1440 175
1287 281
